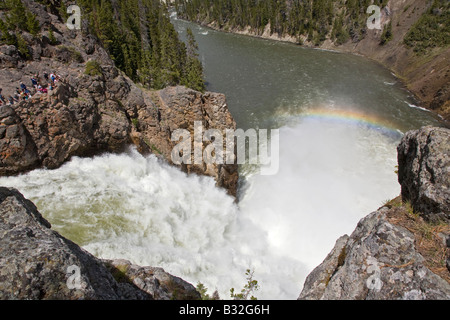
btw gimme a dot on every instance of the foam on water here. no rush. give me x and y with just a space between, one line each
138 208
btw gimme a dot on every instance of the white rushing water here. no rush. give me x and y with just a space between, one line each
138 208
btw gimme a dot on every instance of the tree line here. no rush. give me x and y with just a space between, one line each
316 20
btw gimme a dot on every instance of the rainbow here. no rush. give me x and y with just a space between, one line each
352 117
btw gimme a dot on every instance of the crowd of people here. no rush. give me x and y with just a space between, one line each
23 93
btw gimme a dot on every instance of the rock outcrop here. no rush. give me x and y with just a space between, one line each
38 263
179 108
95 107
399 251
424 171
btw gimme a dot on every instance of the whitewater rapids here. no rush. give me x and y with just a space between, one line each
139 208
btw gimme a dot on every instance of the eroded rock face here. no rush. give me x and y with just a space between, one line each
424 171
35 263
180 108
85 116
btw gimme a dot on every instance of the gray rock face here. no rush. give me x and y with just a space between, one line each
424 171
382 259
153 281
38 263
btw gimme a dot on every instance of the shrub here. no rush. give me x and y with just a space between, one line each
93 68
386 36
431 30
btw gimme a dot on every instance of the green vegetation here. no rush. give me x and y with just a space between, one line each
17 19
194 69
32 24
249 288
245 294
317 20
203 292
314 19
51 37
137 34
22 46
432 29
143 43
135 122
386 36
93 68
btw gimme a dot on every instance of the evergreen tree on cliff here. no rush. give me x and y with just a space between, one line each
194 69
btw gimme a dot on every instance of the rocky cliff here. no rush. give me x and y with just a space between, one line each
424 164
38 263
401 251
94 107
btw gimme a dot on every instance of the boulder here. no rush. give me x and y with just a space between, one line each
424 171
179 108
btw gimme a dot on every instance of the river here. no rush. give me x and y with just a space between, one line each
340 118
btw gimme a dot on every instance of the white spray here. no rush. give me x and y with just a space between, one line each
138 208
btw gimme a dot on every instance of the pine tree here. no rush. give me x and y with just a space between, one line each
32 24
6 37
51 37
386 36
16 17
141 40
194 68
22 47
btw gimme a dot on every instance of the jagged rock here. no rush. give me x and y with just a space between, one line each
318 280
379 261
154 281
90 115
9 56
179 108
424 174
38 263
87 115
